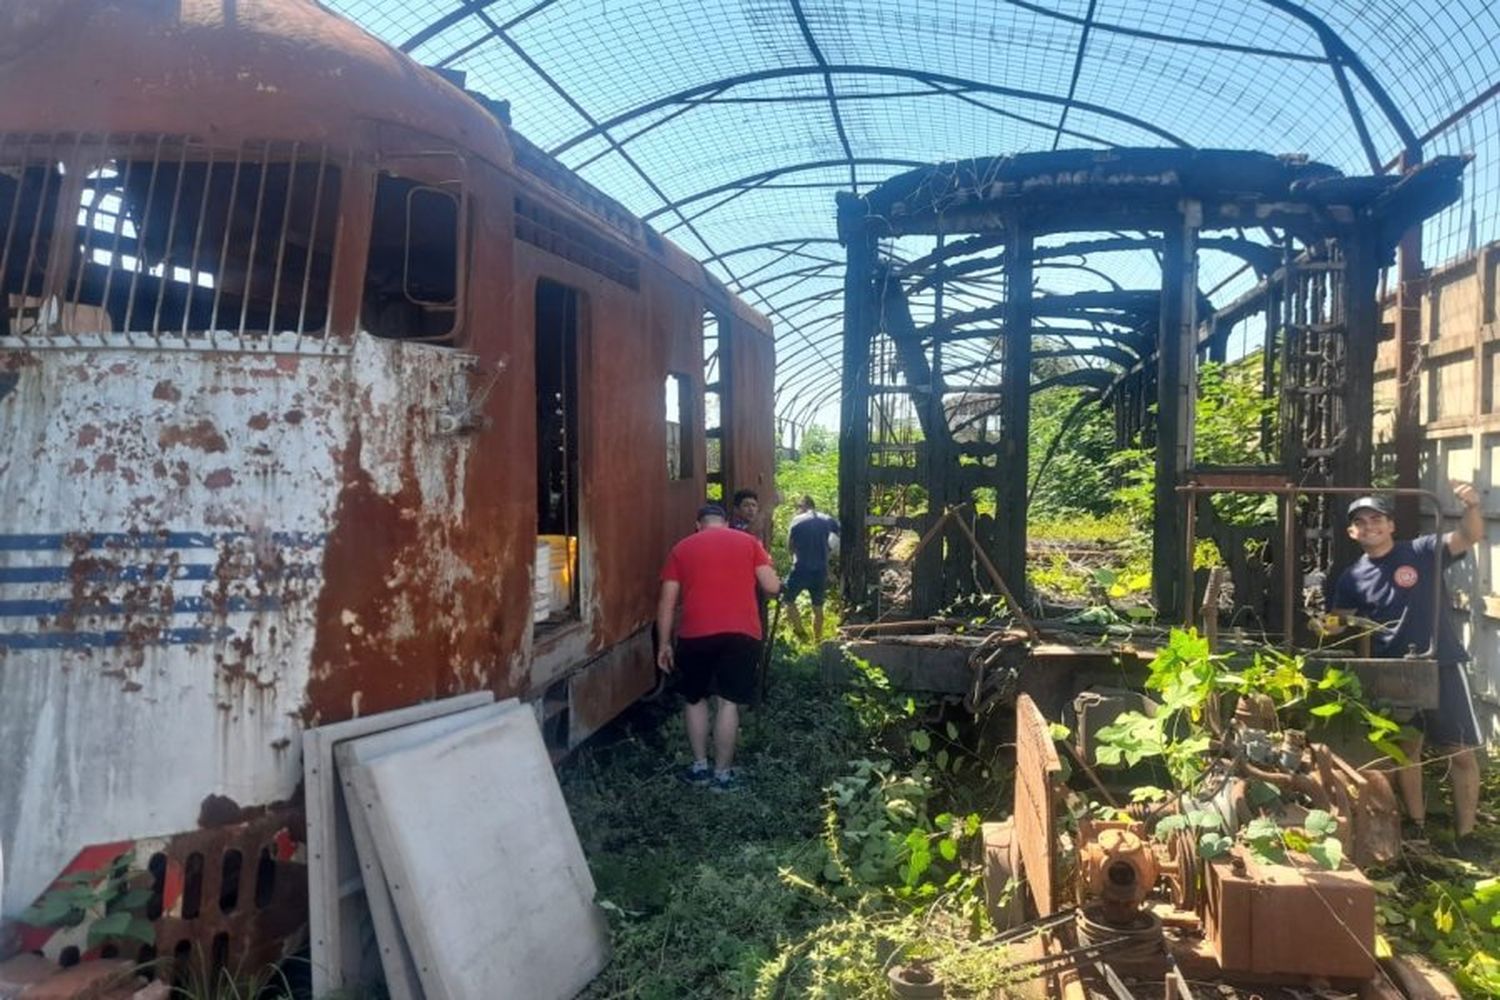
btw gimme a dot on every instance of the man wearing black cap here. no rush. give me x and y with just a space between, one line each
1392 584
714 572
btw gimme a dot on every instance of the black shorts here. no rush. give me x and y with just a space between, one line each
723 664
815 582
1452 723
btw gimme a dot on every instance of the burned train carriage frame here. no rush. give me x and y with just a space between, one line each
324 393
1326 238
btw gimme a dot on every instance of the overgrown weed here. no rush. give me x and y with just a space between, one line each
844 854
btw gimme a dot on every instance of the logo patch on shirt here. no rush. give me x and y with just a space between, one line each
1406 576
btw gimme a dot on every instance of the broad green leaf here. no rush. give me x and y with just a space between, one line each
1321 822
1147 793
952 731
941 759
1329 852
134 899
1171 824
1261 827
1205 820
113 925
948 849
141 929
1214 845
1059 731
1328 710
920 741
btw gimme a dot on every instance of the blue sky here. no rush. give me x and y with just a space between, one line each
927 80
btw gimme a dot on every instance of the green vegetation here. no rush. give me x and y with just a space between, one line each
815 473
848 852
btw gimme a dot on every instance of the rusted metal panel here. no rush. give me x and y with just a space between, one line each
237 70
209 543
625 672
1302 920
752 446
1037 774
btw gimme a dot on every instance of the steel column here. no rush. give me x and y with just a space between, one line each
1352 464
1409 289
1012 472
1171 572
854 414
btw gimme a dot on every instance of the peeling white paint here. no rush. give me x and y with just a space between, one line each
162 527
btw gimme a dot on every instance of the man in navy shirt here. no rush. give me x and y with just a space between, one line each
1392 584
809 540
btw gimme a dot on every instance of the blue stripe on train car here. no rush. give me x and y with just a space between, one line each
90 640
83 541
181 606
135 574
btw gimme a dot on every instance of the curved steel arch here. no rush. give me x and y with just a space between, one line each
749 182
856 69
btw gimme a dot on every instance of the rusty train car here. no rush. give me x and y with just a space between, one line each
323 392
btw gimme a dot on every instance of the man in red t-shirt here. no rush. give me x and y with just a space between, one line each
714 571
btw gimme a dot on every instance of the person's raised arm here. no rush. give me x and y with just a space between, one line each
1471 528
666 610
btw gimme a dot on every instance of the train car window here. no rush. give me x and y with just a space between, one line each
715 368
412 275
679 400
557 473
28 201
170 237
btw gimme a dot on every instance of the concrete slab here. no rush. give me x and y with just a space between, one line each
402 982
483 863
335 892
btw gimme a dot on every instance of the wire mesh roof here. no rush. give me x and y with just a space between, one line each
729 124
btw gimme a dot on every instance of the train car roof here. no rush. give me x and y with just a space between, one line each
222 71
230 71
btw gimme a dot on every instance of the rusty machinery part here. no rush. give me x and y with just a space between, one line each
996 677
1183 870
1118 867
1138 938
1005 895
914 982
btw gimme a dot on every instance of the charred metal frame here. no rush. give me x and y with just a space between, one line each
1327 238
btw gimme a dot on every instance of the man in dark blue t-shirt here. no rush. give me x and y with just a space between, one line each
811 537
1392 584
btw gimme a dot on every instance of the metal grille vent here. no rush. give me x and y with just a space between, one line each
557 234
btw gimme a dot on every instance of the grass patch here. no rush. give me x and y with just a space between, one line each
844 853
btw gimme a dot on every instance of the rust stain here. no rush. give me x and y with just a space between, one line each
104 463
203 436
167 391
259 422
219 479
88 435
293 417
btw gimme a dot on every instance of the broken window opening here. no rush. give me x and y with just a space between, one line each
679 403
556 584
166 237
412 277
715 404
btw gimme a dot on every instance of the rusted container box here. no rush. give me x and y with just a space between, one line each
1298 918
